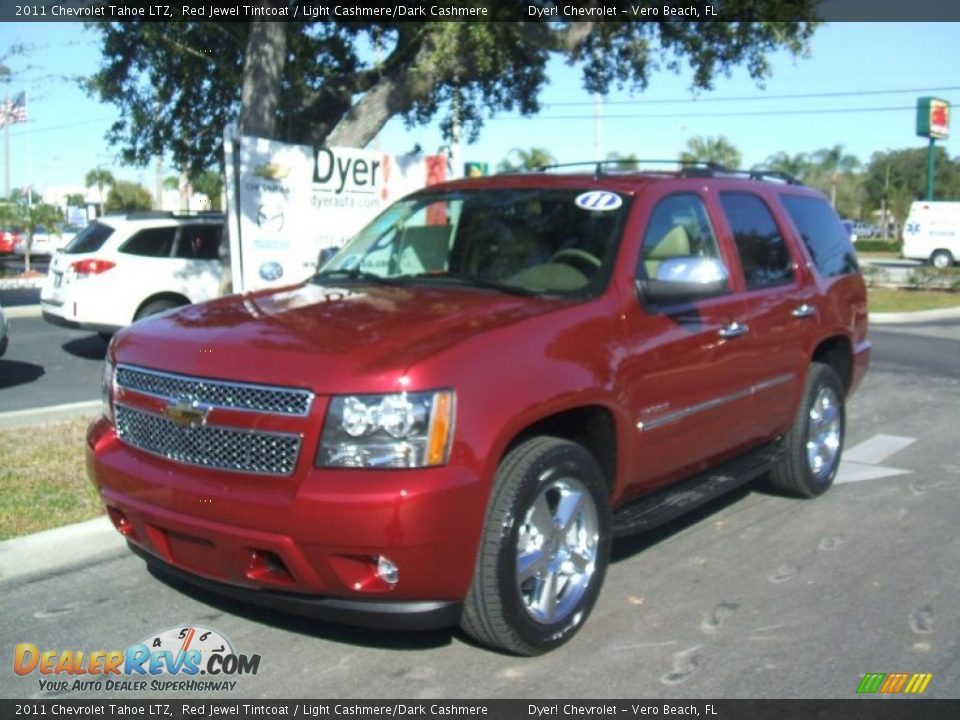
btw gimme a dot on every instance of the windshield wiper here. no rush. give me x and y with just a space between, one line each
353 274
473 281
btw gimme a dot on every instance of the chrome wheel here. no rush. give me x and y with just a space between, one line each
824 429
557 550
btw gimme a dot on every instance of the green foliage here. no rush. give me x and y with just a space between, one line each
177 85
75 200
716 150
126 196
624 162
900 176
875 276
210 183
925 277
518 160
878 246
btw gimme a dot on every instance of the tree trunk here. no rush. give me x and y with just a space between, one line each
263 69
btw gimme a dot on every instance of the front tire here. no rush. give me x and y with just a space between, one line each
814 443
545 549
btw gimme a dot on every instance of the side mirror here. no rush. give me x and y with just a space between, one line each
685 278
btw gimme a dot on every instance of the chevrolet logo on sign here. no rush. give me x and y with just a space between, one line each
187 413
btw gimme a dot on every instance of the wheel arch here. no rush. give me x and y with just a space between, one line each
592 426
176 297
837 352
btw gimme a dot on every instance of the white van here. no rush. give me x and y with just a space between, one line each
932 232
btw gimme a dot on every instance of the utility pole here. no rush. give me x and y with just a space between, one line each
5 79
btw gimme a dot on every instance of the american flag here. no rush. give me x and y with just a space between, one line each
14 111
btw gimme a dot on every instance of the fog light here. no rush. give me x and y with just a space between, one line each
387 571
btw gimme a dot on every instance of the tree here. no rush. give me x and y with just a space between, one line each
797 165
178 85
100 178
126 196
75 200
624 162
718 151
210 183
830 164
894 179
33 216
518 160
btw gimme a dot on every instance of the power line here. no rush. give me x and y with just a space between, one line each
693 116
739 98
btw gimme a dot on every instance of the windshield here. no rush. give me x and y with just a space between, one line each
527 241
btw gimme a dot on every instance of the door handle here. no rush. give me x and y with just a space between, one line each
734 330
804 311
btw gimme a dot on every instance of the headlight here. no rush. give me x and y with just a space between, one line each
400 430
106 388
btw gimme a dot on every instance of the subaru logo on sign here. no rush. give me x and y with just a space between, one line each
598 200
271 271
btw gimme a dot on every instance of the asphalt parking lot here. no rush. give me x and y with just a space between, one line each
754 596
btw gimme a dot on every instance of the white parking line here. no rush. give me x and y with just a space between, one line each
862 461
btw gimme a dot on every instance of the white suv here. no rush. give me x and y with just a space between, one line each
121 268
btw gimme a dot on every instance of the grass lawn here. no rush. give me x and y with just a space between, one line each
893 300
43 478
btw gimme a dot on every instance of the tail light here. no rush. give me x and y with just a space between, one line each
85 268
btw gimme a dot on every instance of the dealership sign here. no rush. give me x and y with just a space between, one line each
287 202
933 118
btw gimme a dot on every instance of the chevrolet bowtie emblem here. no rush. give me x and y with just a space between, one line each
187 413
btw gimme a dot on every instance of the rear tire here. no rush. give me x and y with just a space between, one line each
814 443
544 551
155 307
941 259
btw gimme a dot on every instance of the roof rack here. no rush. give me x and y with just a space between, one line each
688 168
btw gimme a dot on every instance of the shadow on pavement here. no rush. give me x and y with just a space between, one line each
91 347
387 639
14 372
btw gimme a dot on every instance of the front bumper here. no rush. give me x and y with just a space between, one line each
307 543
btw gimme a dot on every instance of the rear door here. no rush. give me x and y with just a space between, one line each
781 310
196 268
684 371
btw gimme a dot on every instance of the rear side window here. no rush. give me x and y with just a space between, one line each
89 240
823 234
151 242
199 242
764 256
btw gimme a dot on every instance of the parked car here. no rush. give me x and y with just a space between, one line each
450 422
45 242
4 332
122 268
9 237
932 232
864 229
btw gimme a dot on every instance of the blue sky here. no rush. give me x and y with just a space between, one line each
64 137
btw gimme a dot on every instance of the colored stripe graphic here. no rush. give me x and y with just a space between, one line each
918 683
871 682
893 683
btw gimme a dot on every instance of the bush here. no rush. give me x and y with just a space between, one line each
874 276
878 246
931 278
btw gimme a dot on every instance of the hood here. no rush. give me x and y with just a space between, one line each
359 338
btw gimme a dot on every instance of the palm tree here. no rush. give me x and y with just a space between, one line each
99 177
526 159
718 151
797 166
833 163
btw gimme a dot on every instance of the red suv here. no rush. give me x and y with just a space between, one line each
450 422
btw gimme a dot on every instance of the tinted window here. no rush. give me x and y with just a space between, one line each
90 239
199 242
679 227
823 234
153 242
763 254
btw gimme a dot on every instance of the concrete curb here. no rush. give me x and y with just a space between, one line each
53 549
22 311
918 316
53 413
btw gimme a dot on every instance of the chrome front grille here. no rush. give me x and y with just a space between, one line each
249 451
215 393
